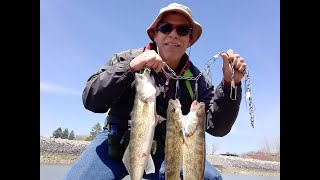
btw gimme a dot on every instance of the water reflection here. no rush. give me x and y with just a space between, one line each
56 172
248 177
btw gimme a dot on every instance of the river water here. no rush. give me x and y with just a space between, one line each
56 172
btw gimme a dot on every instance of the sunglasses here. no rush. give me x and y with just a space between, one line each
182 30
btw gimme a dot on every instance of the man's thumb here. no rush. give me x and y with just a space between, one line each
225 57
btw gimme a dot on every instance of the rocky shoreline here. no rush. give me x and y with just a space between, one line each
63 151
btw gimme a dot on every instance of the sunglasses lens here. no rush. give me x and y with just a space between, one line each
165 28
182 30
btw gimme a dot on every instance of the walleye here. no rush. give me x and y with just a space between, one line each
194 148
137 157
174 140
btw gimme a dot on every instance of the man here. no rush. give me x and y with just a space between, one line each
172 32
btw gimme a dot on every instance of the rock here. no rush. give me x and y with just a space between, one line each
64 146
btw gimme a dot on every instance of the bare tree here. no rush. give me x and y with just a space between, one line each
215 147
265 146
275 145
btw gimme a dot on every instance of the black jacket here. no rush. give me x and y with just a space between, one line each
111 87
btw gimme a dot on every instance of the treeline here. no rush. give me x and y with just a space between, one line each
58 133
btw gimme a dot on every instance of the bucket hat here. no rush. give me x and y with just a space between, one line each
175 7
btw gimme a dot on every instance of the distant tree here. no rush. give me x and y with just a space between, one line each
275 144
250 152
71 135
214 147
96 129
81 137
57 133
65 134
265 146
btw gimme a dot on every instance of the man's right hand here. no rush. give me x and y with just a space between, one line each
147 59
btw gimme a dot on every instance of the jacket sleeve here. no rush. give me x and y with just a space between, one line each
222 111
109 82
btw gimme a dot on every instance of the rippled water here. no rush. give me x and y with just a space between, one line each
56 172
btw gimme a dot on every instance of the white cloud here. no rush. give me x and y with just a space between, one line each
57 89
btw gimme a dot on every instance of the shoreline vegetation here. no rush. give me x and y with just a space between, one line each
65 152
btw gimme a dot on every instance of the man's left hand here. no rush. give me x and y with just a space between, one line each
239 66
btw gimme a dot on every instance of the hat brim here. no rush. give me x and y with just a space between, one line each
196 27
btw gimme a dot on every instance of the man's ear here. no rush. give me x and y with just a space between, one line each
155 37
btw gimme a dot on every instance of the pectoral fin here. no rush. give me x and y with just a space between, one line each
126 159
127 177
150 166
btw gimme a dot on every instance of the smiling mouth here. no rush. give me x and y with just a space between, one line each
172 44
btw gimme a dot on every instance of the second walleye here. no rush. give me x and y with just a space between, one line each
194 148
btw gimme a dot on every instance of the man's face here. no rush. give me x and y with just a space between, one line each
172 45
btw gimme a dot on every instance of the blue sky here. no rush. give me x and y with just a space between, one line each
78 36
